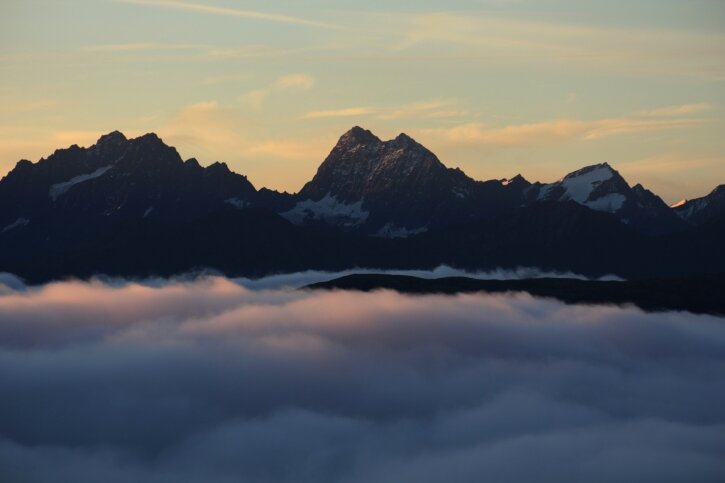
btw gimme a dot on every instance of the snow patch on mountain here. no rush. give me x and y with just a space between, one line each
237 203
460 192
391 230
690 208
545 190
609 203
19 223
59 189
328 209
580 184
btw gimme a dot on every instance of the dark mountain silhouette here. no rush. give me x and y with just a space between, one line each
700 294
116 179
398 188
702 210
395 188
602 188
133 207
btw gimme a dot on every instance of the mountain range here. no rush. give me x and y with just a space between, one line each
134 207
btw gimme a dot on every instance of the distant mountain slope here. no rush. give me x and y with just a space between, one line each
117 178
701 294
701 210
395 187
399 188
601 188
133 207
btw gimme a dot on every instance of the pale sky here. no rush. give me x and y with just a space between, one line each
495 87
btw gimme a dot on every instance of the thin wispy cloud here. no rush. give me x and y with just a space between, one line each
344 112
295 81
168 52
434 109
669 163
290 82
291 149
10 107
250 52
515 68
424 110
511 40
678 110
224 79
206 129
228 12
565 129
139 47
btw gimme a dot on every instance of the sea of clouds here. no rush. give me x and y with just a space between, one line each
218 380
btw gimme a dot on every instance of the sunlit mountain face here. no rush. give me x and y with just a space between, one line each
385 241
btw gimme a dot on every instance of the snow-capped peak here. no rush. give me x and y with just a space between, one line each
580 184
583 187
701 209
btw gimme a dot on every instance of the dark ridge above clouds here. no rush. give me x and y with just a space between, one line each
693 294
134 208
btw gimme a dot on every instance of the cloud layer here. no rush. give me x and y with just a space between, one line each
207 380
227 12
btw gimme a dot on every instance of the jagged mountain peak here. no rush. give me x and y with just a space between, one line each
113 137
640 190
150 150
601 171
357 135
116 138
600 187
218 166
150 138
390 188
699 211
586 185
109 145
403 140
378 187
360 136
361 162
119 178
24 164
116 147
192 162
516 181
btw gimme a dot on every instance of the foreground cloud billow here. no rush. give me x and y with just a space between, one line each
207 380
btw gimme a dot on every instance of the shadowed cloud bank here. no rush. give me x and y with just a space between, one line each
209 380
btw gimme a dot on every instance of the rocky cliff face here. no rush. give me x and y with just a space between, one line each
702 210
117 177
397 186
